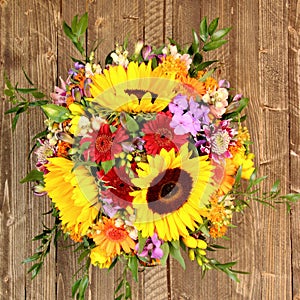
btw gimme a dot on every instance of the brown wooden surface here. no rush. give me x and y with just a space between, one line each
261 60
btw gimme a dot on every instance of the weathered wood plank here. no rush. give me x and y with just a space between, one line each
24 41
273 226
294 106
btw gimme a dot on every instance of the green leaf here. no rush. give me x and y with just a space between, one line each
195 44
203 30
31 258
68 31
197 59
133 266
27 77
206 75
9 93
129 123
176 253
107 165
33 175
113 264
26 91
119 297
38 95
205 64
75 287
82 24
142 241
119 286
7 81
165 248
74 24
213 45
220 34
127 290
213 26
83 285
56 113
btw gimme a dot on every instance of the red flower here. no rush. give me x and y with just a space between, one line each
159 135
104 144
119 186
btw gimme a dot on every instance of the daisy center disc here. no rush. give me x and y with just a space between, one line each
103 143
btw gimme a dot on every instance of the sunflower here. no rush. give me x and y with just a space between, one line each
74 193
135 89
173 191
111 239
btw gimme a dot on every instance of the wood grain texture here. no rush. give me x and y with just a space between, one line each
294 113
261 60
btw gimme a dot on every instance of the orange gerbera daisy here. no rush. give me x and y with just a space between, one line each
193 87
112 239
224 175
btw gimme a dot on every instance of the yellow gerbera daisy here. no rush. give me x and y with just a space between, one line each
174 190
74 193
135 89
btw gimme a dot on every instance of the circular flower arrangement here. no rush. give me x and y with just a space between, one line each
144 158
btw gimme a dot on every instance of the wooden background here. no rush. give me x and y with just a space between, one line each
261 60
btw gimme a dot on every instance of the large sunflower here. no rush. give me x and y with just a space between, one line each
173 191
135 89
74 193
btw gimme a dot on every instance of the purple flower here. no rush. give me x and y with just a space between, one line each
182 124
152 248
224 84
179 104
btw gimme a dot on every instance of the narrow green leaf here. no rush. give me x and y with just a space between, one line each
213 45
197 59
220 34
68 32
9 93
26 91
31 258
119 297
113 264
38 103
27 77
119 286
205 64
176 253
127 290
38 95
213 26
83 286
15 121
166 250
82 24
195 44
206 75
203 30
75 287
33 175
74 24
133 266
142 241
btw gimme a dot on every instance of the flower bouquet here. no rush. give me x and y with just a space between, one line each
143 158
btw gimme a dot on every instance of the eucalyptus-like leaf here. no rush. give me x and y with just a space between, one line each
203 30
213 26
213 45
220 34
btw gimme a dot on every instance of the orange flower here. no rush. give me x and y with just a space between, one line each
173 66
217 231
193 86
112 239
63 148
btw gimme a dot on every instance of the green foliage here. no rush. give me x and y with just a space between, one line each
47 237
20 98
76 32
33 175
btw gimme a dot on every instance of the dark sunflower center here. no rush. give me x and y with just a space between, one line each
140 94
103 143
169 192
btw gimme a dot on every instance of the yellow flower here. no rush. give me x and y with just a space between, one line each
74 193
99 258
173 192
77 111
135 89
